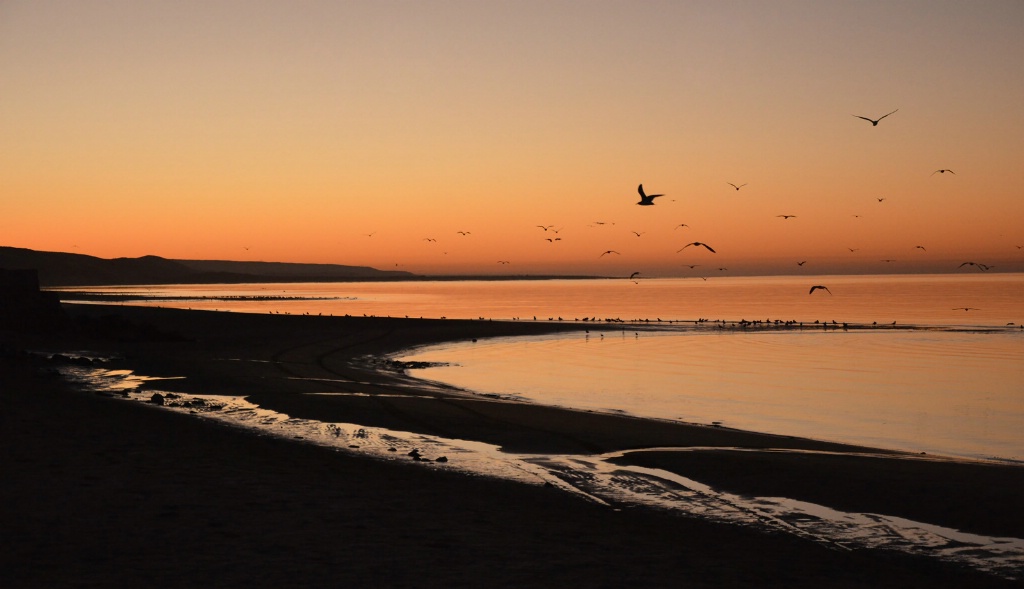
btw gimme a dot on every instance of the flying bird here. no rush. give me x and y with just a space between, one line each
853 249
634 275
966 308
943 171
784 217
881 198
801 263
463 232
920 247
691 266
736 187
503 261
978 265
610 252
874 122
646 200
545 227
817 286
429 239
685 225
698 244
638 233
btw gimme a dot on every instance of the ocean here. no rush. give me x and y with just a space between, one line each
925 363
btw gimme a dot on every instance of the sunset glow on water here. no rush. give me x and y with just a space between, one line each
939 392
950 386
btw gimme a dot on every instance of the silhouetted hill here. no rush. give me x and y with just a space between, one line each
66 269
288 270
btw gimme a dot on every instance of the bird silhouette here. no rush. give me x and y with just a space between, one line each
609 252
685 225
801 263
463 232
853 249
817 286
545 227
736 187
634 275
874 122
698 244
638 233
920 247
503 261
645 199
977 265
881 198
691 266
429 239
966 308
784 217
943 171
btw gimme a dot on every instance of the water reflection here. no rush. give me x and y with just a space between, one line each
936 391
595 478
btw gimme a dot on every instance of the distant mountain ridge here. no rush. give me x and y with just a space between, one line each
67 269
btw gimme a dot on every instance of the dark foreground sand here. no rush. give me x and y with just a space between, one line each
101 492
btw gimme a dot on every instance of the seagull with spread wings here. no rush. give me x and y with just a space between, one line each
698 244
874 122
646 199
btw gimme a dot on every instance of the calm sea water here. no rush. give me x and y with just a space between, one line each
953 387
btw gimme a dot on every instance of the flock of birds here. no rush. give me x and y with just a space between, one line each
647 200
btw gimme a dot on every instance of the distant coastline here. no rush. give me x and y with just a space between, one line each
62 269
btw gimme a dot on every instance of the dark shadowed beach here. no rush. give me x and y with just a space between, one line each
100 491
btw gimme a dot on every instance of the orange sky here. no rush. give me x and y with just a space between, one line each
297 130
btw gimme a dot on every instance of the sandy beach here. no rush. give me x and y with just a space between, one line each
102 492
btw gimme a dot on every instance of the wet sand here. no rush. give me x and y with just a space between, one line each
98 491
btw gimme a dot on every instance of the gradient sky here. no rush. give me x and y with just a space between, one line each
292 131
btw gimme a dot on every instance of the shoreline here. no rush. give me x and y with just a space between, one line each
277 361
